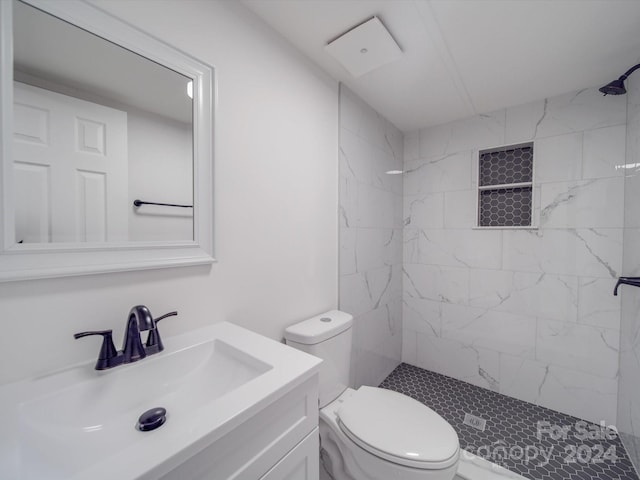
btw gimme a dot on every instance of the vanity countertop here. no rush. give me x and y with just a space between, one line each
80 423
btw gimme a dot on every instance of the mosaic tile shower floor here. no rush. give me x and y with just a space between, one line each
513 436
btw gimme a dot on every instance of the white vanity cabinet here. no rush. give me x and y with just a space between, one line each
239 406
278 442
301 463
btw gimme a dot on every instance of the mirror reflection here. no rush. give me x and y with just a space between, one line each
97 127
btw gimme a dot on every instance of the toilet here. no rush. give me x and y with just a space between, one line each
371 433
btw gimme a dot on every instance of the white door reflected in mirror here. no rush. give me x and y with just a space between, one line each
70 169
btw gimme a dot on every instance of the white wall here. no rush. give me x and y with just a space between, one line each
370 237
160 170
276 223
528 313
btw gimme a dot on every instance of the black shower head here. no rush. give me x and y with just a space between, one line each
614 88
617 86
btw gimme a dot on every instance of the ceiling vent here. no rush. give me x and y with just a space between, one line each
365 48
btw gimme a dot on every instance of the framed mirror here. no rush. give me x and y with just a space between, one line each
106 135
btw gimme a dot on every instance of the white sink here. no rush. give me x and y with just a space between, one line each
80 423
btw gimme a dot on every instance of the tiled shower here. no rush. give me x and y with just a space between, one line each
526 312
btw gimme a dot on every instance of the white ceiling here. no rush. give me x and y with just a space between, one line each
464 57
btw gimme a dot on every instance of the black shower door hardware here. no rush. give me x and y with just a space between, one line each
634 281
137 203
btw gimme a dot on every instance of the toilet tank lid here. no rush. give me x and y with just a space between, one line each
319 328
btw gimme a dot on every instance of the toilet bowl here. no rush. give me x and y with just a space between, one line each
371 433
377 434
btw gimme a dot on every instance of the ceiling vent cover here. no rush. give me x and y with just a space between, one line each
365 48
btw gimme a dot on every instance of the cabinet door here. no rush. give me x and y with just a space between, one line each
301 463
255 446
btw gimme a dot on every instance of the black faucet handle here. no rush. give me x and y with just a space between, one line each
108 353
161 317
154 342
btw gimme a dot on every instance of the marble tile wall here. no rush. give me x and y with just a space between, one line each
628 384
370 237
524 312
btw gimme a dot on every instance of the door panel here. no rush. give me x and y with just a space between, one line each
33 213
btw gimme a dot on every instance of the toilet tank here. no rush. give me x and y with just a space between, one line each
327 336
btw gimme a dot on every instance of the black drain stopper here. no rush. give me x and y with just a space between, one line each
152 419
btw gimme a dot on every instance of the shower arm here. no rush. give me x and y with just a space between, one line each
629 72
634 281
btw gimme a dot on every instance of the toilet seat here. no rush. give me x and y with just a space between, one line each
399 429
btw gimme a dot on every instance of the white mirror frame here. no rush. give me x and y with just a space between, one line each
32 261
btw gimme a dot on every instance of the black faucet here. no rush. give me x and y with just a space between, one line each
139 319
